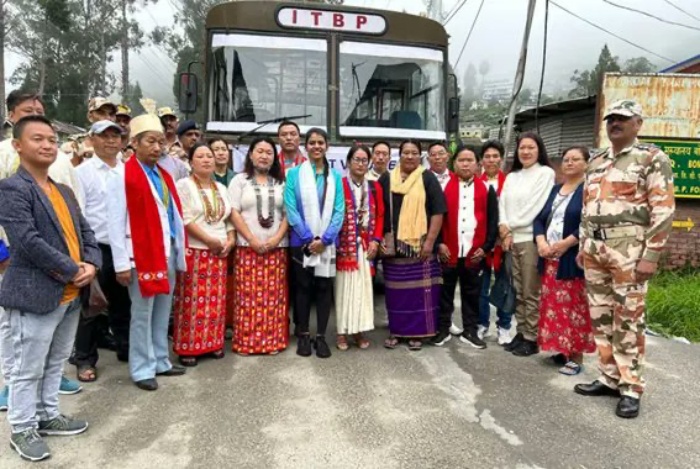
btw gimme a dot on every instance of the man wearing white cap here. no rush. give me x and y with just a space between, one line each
147 237
628 208
94 174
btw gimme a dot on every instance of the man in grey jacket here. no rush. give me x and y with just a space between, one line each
54 256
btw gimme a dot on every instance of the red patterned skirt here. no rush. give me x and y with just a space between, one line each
261 320
565 321
230 288
200 305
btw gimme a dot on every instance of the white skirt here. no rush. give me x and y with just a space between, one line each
354 298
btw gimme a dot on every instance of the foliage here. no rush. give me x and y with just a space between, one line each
672 304
639 65
586 82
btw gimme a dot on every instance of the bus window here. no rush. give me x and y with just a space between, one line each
405 84
258 78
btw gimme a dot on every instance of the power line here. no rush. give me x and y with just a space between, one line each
624 7
544 64
611 33
454 12
681 10
471 30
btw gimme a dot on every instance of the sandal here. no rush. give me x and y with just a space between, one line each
415 345
391 343
361 342
219 354
341 343
86 373
559 359
571 369
188 361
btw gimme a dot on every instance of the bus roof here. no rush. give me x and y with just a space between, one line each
262 16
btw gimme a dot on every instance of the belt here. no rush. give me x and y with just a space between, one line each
603 234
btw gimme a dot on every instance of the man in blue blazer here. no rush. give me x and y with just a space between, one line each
53 257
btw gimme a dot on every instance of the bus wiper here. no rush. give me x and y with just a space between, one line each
276 120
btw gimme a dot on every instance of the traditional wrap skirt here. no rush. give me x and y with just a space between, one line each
354 298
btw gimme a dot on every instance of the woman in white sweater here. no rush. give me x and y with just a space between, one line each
525 192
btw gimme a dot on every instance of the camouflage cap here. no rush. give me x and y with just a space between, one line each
624 107
96 103
166 111
123 110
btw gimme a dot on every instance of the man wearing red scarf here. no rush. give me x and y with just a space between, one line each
289 136
469 232
147 237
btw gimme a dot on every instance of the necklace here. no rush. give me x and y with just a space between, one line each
213 207
361 209
265 222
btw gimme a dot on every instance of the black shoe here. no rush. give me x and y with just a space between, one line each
322 350
526 348
147 384
517 340
107 341
472 339
440 339
627 408
123 356
304 345
596 388
173 371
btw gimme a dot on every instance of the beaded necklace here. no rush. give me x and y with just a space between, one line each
361 208
265 222
214 206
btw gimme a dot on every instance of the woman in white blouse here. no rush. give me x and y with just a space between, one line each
260 320
524 193
200 293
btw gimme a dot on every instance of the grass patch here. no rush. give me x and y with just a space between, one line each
673 304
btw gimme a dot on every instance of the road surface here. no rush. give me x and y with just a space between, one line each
451 407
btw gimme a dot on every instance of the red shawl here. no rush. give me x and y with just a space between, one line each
346 254
299 159
450 225
493 260
146 230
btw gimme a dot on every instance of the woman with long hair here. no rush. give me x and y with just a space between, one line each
313 198
565 321
260 322
200 293
358 245
415 206
524 193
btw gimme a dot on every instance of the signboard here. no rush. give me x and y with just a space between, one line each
685 158
684 224
306 18
670 103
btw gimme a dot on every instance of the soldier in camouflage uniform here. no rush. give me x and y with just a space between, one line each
626 220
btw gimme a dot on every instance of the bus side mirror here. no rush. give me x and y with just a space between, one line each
453 115
187 93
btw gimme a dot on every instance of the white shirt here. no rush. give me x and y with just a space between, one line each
244 201
466 220
524 194
193 211
443 178
93 175
555 231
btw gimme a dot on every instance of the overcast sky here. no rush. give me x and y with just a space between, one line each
497 36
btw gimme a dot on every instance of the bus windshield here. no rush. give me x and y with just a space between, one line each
391 91
257 78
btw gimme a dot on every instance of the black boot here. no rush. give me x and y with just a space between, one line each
628 407
304 345
517 340
322 350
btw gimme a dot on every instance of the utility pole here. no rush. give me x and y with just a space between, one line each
125 53
519 76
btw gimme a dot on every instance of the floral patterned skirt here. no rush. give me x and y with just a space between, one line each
261 315
565 321
200 304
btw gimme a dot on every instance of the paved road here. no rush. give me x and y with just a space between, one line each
450 407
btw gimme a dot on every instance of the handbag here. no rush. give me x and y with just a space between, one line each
503 292
95 302
389 246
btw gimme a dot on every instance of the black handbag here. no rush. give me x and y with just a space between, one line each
503 292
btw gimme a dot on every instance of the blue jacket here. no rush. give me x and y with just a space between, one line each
572 220
41 265
4 253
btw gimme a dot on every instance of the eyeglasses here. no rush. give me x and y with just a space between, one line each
438 153
571 160
360 161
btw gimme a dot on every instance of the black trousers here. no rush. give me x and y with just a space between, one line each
470 288
308 287
118 316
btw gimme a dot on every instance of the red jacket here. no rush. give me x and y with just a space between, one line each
494 260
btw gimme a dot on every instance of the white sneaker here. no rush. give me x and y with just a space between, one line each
483 332
504 337
456 330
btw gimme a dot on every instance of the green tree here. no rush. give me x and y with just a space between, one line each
639 65
586 83
469 86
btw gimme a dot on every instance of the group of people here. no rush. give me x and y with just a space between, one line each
158 223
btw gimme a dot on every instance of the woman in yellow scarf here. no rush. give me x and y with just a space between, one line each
414 207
